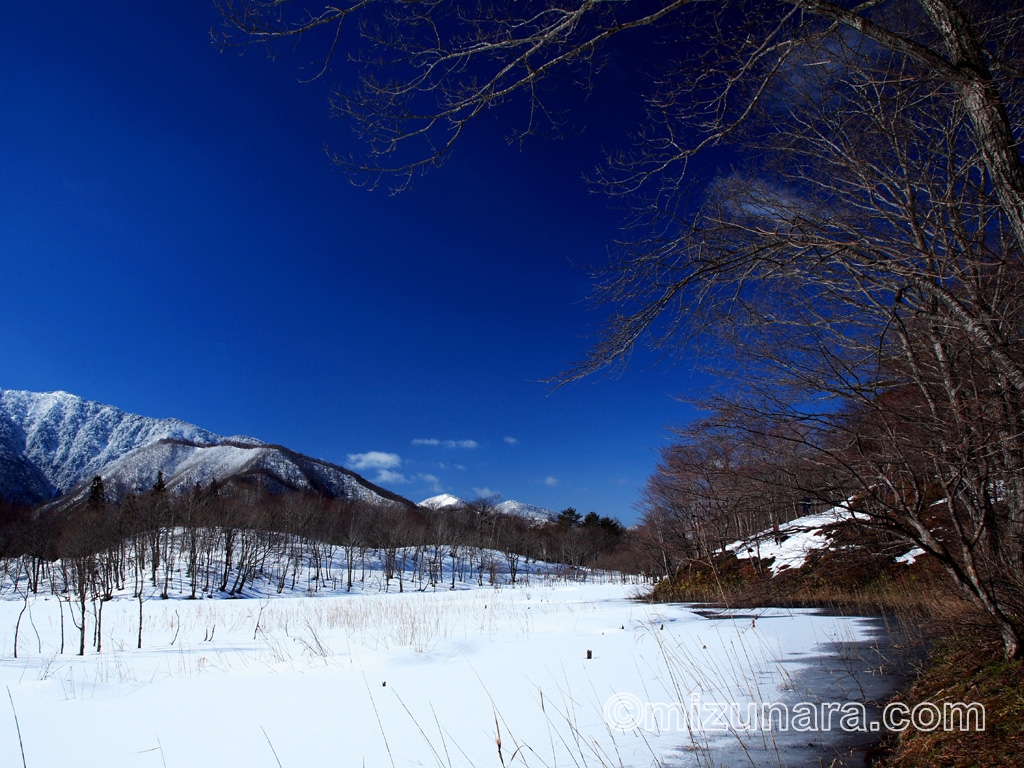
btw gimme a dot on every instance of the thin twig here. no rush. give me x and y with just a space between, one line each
17 727
271 747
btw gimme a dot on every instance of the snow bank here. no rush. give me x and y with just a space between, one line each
794 541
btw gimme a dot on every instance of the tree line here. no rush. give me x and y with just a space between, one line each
214 540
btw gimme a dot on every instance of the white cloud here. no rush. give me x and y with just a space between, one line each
485 492
387 476
459 467
551 481
445 443
432 481
510 440
374 460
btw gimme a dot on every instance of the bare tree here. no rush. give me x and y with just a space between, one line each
512 537
352 533
429 68
868 242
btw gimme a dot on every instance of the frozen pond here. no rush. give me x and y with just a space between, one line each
473 677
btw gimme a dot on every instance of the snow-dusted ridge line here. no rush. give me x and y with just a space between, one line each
53 443
528 511
443 501
516 508
67 438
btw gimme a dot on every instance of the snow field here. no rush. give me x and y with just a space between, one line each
433 679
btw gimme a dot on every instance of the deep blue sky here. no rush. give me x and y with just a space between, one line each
175 242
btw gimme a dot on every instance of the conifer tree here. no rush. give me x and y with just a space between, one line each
97 494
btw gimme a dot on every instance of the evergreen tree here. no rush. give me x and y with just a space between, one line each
568 517
97 494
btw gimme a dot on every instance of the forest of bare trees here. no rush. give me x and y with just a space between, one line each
215 541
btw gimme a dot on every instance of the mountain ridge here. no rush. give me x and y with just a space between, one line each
520 509
53 443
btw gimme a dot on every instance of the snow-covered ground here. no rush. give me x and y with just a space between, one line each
479 676
793 542
789 546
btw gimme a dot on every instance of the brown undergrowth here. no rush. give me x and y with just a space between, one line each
964 667
860 576
857 575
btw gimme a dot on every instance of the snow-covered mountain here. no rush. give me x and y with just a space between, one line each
52 444
444 501
517 508
528 511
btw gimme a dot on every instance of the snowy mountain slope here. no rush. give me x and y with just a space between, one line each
273 467
66 438
53 443
527 511
443 501
516 508
20 480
